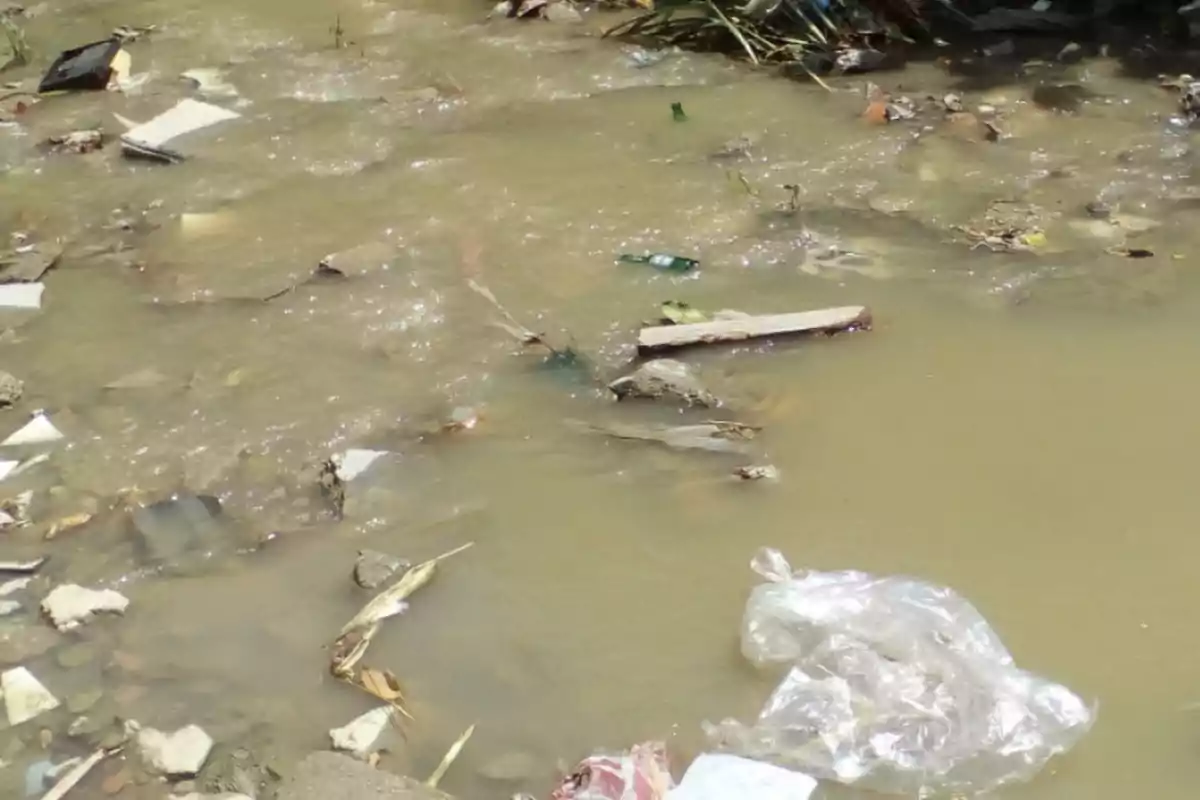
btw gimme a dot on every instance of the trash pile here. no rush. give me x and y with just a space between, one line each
894 685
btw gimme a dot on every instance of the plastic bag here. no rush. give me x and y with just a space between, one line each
896 685
641 774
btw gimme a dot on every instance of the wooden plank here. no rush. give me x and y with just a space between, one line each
825 320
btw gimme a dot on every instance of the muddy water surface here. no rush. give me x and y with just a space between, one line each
1018 426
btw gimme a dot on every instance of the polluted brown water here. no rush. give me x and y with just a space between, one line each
1017 424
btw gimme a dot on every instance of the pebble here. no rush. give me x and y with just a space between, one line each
116 782
11 389
75 655
372 568
180 753
510 767
81 702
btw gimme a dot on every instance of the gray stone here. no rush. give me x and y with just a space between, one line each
11 389
171 529
322 776
373 568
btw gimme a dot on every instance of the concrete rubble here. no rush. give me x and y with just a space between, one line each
178 754
68 606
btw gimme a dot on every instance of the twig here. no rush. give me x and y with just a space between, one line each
734 30
448 759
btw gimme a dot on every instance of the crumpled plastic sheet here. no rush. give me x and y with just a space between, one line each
895 685
643 773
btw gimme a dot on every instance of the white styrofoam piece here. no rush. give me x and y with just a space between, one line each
718 776
360 734
21 295
186 116
7 467
38 430
353 463
24 696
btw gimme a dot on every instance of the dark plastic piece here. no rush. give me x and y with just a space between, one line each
84 68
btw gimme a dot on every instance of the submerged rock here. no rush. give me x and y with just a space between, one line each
172 528
322 776
662 377
11 389
180 754
372 568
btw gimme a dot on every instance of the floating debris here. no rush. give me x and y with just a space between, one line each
372 568
715 436
27 263
764 472
78 773
662 377
23 567
149 139
24 696
359 736
39 430
828 320
21 295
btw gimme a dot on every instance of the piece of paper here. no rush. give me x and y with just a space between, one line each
21 295
717 776
187 116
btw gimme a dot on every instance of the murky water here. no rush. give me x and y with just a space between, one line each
1017 426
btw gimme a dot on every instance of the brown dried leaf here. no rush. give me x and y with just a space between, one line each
382 683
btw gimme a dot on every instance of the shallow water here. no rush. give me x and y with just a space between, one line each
1016 426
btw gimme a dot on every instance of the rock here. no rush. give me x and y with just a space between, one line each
561 11
373 568
71 605
224 796
11 389
322 776
81 702
24 696
360 735
177 754
510 767
8 607
75 655
19 643
172 528
661 377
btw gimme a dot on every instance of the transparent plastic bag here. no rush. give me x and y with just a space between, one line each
896 685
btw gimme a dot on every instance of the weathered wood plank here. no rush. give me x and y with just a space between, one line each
825 320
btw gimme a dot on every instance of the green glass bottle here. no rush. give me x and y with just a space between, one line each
677 112
663 261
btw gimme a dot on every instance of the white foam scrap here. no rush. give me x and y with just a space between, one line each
38 430
360 734
353 463
211 82
70 605
186 116
21 295
24 696
719 776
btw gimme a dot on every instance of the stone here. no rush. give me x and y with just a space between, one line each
11 389
360 735
358 261
372 568
662 377
82 701
322 776
171 529
178 754
24 696
71 605
9 607
75 655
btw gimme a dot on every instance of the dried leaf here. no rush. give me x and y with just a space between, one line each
69 522
381 683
